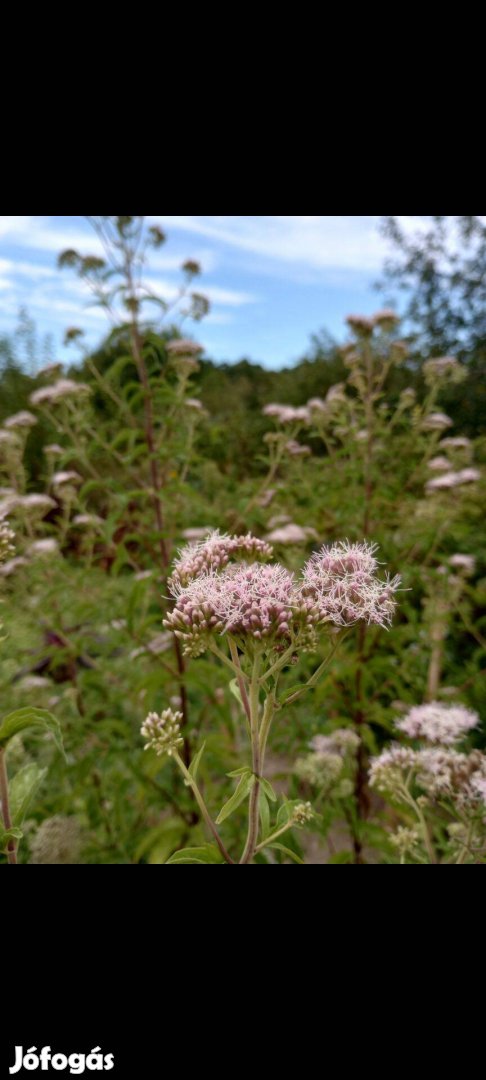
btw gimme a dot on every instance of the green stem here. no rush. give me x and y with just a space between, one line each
279 664
241 683
7 820
316 676
273 836
237 670
252 838
425 831
202 806
265 728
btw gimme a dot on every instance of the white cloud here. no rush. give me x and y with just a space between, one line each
319 242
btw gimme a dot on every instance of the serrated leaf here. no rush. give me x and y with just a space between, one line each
30 718
193 767
23 787
207 854
244 787
287 851
268 789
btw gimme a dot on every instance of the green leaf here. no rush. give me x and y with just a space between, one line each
29 718
264 815
207 854
268 789
6 835
244 787
23 787
240 772
235 690
193 767
283 815
287 851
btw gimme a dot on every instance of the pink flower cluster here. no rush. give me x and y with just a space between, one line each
453 479
213 553
341 581
266 602
287 414
438 723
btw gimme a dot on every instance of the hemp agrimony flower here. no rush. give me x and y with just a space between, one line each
437 723
341 581
227 594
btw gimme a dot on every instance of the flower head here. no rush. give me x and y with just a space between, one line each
440 464
183 347
213 553
302 813
387 771
322 770
287 414
456 442
163 733
437 723
58 840
7 537
453 480
436 421
341 741
22 419
464 563
341 581
35 503
48 546
63 388
361 325
288 534
68 476
443 369
387 319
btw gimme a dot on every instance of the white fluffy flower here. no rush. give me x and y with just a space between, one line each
437 723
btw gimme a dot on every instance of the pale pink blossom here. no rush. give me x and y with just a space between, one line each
436 421
63 388
69 476
440 464
438 723
22 419
36 502
466 563
183 347
296 449
456 442
48 546
288 534
341 582
453 479
215 552
287 414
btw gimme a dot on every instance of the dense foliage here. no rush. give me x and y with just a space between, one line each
283 617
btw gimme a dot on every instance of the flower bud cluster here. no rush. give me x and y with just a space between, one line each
163 733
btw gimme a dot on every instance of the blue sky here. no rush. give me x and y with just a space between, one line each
272 281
